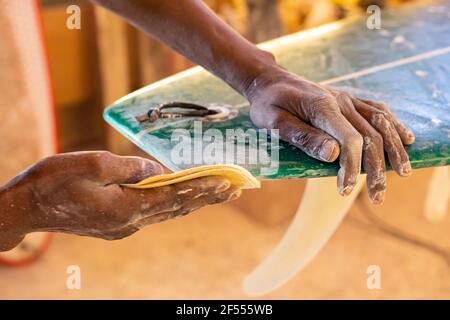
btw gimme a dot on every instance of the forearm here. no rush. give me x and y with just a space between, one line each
192 29
81 193
15 212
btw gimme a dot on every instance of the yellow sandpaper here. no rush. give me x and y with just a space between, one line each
237 175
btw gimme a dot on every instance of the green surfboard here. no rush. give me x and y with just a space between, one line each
405 64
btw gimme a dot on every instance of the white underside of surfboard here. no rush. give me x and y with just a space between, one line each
320 212
438 194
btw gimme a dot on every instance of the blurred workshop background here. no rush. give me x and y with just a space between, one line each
207 254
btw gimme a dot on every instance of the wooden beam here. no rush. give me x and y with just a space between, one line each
115 68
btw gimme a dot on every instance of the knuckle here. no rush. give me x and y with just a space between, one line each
373 139
323 100
343 97
379 118
376 138
302 138
322 106
355 140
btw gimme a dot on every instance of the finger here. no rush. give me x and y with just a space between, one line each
406 135
329 118
173 197
121 170
373 153
102 167
232 193
310 140
393 145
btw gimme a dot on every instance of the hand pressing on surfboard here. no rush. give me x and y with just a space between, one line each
323 122
82 193
326 124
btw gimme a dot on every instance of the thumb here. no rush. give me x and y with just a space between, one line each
314 142
120 170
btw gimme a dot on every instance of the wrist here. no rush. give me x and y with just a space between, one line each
267 76
255 66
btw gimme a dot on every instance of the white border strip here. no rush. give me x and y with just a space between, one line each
389 65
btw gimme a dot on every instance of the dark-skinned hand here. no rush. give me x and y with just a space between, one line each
326 124
81 193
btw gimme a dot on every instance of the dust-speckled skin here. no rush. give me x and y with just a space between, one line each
81 193
417 92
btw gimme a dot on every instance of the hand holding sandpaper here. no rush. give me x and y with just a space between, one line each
82 193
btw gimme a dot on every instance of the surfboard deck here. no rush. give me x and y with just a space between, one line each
405 64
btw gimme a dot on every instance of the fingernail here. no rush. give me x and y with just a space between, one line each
378 198
328 150
234 196
346 190
223 186
411 137
406 169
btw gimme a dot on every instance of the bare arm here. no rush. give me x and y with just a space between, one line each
323 122
81 193
192 29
